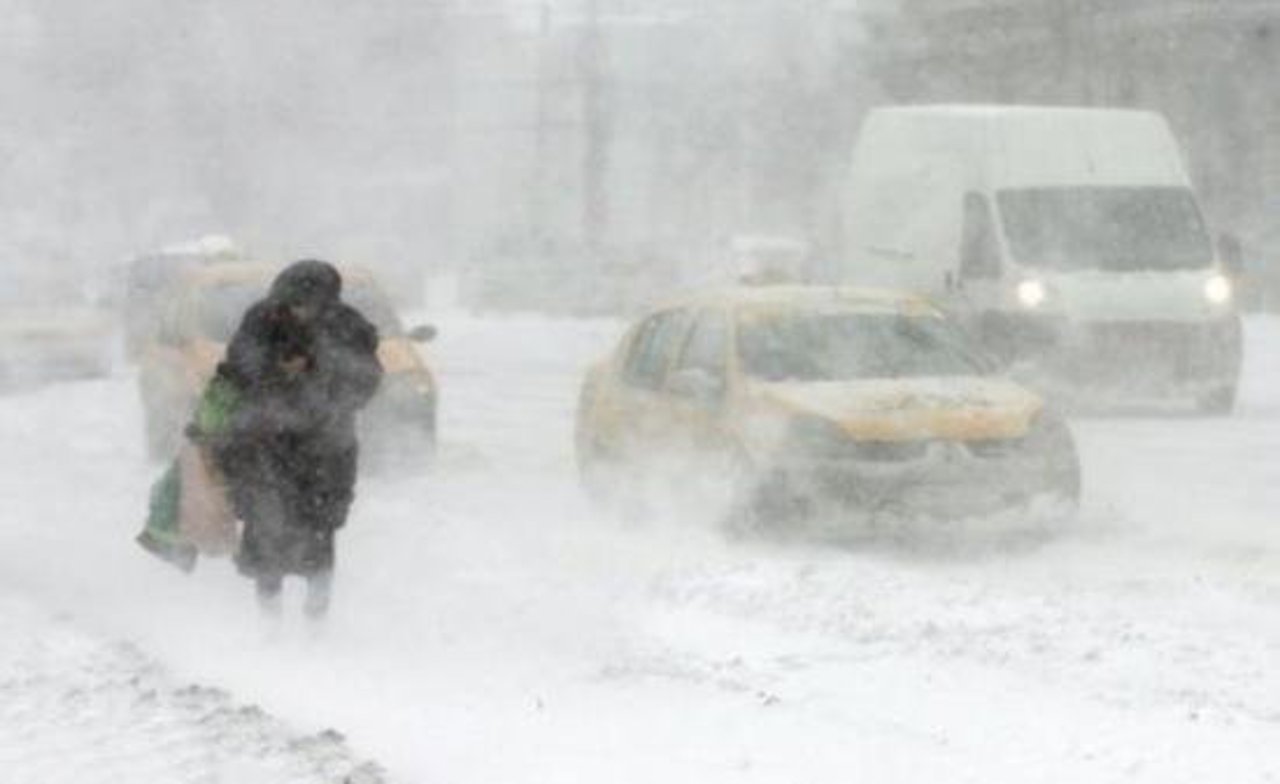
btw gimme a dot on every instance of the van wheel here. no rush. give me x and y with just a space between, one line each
593 473
1219 402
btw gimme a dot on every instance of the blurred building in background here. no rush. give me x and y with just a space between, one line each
649 135
582 155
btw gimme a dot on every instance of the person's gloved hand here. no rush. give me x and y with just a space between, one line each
295 365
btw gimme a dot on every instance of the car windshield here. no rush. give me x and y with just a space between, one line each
373 304
222 307
1114 229
849 346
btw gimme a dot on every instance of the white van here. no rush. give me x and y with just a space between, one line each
1070 241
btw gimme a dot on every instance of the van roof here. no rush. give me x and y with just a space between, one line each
1011 146
989 111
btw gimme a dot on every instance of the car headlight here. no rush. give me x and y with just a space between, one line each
1032 294
1218 290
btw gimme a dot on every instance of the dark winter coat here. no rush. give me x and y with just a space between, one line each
304 363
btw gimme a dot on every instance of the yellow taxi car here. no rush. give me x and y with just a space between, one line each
810 395
202 310
51 342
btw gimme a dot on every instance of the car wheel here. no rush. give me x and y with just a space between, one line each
592 459
1052 445
763 502
612 485
430 436
1064 487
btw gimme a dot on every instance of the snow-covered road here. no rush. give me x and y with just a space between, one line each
490 627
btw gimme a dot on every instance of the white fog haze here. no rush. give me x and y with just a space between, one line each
718 391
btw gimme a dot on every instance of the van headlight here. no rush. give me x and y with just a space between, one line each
1032 294
1219 290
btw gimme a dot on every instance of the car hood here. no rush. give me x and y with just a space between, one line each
961 408
400 355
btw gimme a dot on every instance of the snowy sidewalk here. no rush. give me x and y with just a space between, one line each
78 709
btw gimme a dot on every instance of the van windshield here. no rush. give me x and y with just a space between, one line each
854 346
1118 229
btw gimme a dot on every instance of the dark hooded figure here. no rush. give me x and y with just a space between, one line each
304 363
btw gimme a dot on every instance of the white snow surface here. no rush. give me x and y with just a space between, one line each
490 626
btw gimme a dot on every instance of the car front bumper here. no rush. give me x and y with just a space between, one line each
948 479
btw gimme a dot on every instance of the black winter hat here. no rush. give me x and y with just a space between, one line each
307 283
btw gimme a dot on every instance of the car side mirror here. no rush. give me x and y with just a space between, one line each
423 333
698 385
1231 254
980 261
979 249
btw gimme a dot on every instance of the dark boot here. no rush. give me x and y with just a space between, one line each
270 595
180 554
319 591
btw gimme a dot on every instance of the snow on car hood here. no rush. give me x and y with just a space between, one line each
960 408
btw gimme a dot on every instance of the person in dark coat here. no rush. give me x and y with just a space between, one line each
304 362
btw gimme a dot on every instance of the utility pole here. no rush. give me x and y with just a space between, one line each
595 160
538 191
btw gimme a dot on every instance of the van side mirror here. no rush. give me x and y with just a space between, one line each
1231 254
979 251
423 333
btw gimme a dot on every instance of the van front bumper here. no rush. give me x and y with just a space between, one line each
1149 357
1127 359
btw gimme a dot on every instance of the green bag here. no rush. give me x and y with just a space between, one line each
215 409
162 535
